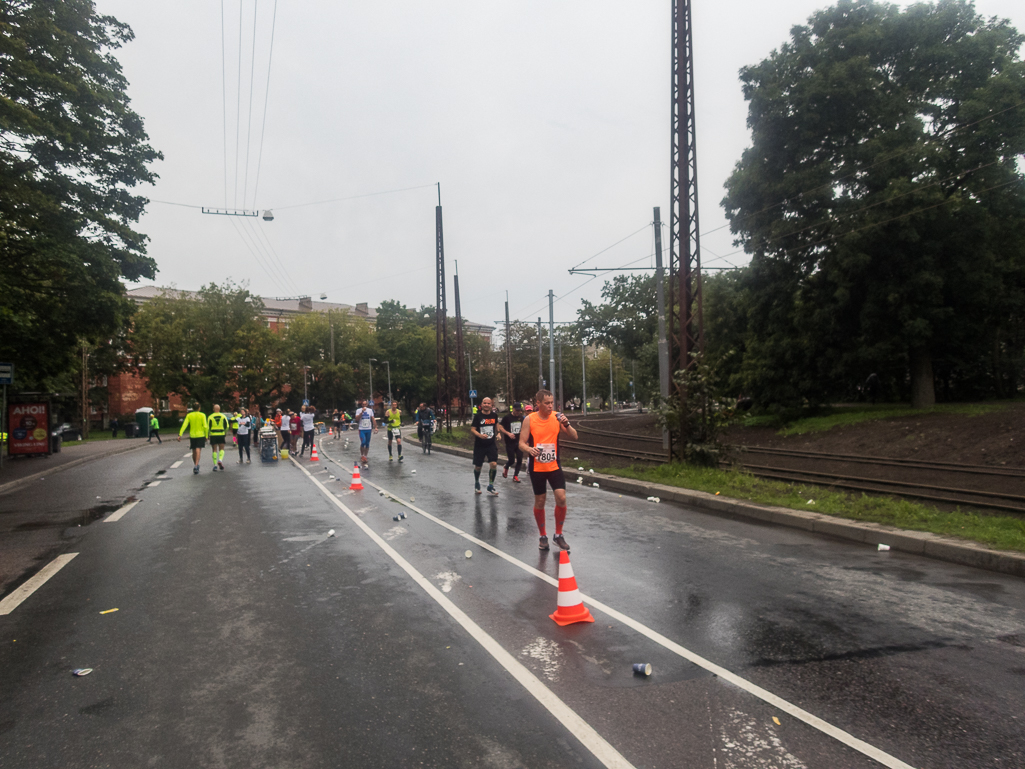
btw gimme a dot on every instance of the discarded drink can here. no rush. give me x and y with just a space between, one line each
395 518
644 668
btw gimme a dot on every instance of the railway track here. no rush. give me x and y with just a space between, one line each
604 442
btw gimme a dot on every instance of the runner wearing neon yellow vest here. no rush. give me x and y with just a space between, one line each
195 423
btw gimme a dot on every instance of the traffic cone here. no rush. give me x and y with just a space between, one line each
313 456
357 484
571 607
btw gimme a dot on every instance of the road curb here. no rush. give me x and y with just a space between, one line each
11 485
916 542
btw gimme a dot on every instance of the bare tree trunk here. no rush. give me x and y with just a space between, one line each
923 387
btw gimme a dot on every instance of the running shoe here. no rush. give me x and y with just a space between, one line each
516 479
391 458
560 541
505 473
491 491
220 464
400 457
542 544
476 488
195 470
249 461
215 468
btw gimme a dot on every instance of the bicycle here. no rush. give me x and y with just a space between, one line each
425 437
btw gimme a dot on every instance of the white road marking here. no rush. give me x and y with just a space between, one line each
118 514
11 602
579 728
766 696
177 464
186 456
152 484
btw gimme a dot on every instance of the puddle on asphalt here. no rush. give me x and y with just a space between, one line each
84 518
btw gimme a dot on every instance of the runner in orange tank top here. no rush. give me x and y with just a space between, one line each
539 437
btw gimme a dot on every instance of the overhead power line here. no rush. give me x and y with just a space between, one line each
249 119
266 97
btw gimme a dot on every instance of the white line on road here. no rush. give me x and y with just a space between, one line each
799 713
177 464
577 726
152 484
118 514
11 602
187 455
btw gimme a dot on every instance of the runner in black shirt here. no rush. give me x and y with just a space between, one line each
510 427
485 429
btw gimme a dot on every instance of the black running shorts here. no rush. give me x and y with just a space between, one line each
197 443
216 440
488 451
555 478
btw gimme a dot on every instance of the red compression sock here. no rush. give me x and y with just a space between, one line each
560 518
539 516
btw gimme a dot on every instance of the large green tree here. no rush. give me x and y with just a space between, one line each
71 149
882 200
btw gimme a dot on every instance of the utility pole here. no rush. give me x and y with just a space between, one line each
441 320
85 392
633 383
460 371
331 323
583 369
540 369
612 393
388 365
551 339
663 345
562 399
469 365
508 356
684 241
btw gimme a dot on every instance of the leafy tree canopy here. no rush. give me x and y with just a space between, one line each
882 199
70 151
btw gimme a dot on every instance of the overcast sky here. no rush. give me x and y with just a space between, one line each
546 123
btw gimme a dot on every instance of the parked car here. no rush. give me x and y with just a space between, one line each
68 432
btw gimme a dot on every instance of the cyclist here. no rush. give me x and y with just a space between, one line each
195 423
364 416
539 437
217 428
393 418
425 426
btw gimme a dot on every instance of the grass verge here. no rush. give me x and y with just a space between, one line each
997 531
459 436
841 417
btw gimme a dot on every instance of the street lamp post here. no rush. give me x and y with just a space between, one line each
372 361
469 368
306 390
386 363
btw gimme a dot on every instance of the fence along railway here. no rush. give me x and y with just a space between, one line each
909 478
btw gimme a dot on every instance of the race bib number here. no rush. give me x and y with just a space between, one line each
396 432
366 423
516 427
547 453
488 431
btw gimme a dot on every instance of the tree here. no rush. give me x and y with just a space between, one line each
881 200
70 151
212 348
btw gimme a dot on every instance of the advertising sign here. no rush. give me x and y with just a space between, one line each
29 428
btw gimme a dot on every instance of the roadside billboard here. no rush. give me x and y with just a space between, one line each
29 428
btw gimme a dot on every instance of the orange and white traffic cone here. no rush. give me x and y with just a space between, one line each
313 456
571 607
357 484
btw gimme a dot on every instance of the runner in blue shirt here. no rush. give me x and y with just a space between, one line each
364 416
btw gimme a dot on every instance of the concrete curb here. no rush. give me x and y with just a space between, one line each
917 542
12 485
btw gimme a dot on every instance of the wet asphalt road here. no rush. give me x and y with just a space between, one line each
245 637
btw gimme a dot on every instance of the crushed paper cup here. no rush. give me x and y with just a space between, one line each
595 485
468 554
884 547
331 533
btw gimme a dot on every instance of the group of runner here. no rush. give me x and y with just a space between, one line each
536 435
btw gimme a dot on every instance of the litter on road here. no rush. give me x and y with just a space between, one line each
331 533
81 672
469 554
884 547
644 668
108 611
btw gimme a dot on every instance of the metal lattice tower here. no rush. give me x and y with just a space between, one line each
685 326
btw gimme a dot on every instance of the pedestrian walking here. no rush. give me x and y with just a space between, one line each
281 421
510 426
154 429
297 428
485 430
113 427
243 435
195 423
539 437
306 418
217 430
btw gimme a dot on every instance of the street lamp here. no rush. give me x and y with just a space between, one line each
306 393
372 362
389 383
